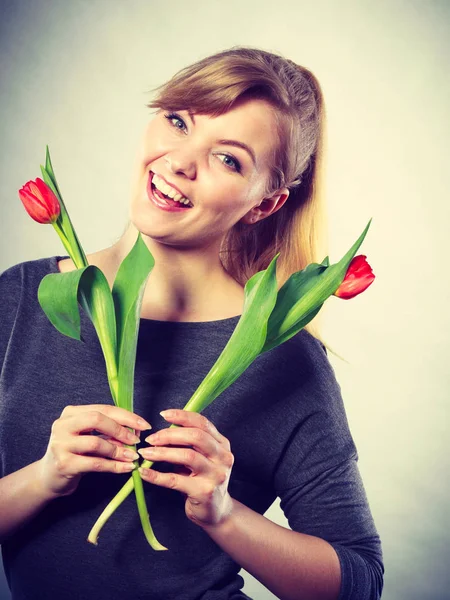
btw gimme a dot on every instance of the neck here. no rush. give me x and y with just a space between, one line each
186 284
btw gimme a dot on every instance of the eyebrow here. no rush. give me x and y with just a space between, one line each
234 143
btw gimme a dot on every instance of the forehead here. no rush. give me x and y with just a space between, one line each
251 121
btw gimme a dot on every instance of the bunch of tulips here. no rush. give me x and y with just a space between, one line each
269 317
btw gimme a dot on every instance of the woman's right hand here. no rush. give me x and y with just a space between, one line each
70 454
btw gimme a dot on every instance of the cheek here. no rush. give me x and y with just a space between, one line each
153 143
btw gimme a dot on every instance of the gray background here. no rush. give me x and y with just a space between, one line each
75 74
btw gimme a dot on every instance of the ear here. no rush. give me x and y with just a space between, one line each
266 207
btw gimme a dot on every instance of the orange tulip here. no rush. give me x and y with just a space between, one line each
357 279
39 201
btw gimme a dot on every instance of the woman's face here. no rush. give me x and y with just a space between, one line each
220 164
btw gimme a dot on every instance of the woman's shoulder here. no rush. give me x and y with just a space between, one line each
302 365
17 274
303 347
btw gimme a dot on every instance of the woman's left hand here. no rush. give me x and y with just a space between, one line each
206 455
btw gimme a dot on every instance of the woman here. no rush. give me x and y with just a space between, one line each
228 174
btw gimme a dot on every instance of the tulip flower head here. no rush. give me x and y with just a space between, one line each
357 279
39 201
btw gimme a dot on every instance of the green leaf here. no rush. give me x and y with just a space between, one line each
128 290
246 341
59 295
127 293
74 247
303 295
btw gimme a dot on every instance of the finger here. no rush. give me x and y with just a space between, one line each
195 462
75 464
188 418
202 490
121 415
96 420
95 445
186 436
110 440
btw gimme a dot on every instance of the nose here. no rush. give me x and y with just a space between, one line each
179 162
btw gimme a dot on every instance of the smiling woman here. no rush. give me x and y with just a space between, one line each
228 174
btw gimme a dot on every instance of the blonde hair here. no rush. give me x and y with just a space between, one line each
298 230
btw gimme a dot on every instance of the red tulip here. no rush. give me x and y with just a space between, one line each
39 201
357 279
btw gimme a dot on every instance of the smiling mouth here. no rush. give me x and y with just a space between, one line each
167 199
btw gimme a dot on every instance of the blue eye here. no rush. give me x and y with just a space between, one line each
173 116
235 165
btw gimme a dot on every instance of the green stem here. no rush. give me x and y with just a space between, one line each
135 482
76 254
143 514
59 230
109 510
121 495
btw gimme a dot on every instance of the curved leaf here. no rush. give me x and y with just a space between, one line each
59 295
246 341
95 297
303 295
127 293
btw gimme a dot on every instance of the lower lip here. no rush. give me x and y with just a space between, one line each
158 202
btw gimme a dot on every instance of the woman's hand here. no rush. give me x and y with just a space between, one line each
205 454
70 454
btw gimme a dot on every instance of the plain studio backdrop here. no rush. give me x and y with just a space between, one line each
75 75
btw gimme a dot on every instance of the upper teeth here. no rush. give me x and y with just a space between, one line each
162 186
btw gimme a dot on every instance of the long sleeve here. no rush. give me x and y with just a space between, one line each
10 293
319 483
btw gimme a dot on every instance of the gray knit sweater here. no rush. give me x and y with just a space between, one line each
285 420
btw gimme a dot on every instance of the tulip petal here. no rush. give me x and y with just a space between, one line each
357 279
40 203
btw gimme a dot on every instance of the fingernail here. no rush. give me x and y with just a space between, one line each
128 466
147 452
134 439
131 454
167 413
143 424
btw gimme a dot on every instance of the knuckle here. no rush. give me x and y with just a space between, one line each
204 423
197 435
95 417
189 455
67 411
228 459
97 465
94 444
55 447
226 443
61 464
55 426
222 476
208 491
172 481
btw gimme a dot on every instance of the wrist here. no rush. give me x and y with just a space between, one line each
223 525
40 483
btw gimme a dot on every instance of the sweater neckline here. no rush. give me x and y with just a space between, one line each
181 324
